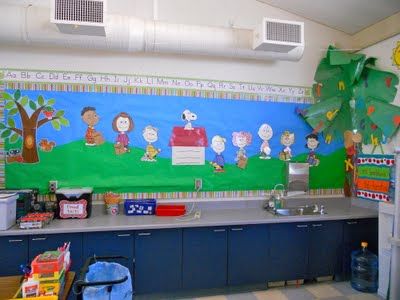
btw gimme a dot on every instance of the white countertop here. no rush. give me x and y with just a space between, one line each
238 214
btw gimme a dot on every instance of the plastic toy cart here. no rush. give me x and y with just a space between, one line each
105 287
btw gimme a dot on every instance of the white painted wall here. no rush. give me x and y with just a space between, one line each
237 13
383 51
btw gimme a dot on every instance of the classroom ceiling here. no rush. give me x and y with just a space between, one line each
349 16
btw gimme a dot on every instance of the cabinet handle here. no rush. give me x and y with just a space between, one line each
237 229
301 226
144 233
219 230
352 222
39 239
124 234
15 241
316 225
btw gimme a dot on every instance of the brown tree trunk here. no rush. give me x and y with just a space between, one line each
29 148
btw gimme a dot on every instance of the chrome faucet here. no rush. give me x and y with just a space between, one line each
271 204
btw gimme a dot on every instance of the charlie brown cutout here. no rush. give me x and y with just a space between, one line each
150 134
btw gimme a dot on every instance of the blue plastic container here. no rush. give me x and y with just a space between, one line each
364 270
140 207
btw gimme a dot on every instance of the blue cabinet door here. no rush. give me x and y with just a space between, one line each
325 248
110 243
158 260
204 257
288 251
354 232
248 251
41 243
13 253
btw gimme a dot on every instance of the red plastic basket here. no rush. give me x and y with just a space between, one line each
170 210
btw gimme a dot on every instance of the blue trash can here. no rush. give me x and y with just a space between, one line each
102 280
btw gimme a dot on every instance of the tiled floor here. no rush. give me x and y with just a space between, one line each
325 291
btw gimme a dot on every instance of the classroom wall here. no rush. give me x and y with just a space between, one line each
239 13
383 51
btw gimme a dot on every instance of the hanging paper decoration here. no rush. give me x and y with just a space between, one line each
90 117
312 143
352 94
218 145
287 140
150 135
241 139
122 123
265 133
374 176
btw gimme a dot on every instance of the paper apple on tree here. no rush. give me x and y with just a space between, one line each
48 112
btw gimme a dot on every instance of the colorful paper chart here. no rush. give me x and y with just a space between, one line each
373 176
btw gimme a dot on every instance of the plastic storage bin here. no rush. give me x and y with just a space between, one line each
74 203
364 270
170 210
8 209
140 207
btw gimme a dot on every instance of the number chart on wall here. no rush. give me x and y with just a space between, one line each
154 136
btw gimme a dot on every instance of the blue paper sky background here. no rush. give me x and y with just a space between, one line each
217 116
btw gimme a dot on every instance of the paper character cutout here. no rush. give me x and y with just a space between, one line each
188 116
14 155
265 133
150 134
122 123
287 139
218 145
46 145
241 139
312 144
90 117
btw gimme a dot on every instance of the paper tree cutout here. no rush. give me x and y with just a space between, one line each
29 112
352 94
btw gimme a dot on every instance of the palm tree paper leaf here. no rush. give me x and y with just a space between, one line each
339 57
341 123
325 71
376 84
370 131
321 114
385 115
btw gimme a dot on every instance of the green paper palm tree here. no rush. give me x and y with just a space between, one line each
352 94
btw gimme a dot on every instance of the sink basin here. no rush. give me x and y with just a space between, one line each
297 211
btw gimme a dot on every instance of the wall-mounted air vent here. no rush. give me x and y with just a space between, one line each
79 16
278 35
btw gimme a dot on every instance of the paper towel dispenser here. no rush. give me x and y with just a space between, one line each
297 177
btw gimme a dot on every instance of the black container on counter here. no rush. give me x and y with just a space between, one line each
74 203
27 199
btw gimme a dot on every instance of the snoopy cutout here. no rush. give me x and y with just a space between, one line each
188 116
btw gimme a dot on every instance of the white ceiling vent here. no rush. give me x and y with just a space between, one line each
278 35
84 17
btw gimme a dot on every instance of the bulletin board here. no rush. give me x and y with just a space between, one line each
153 136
